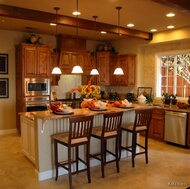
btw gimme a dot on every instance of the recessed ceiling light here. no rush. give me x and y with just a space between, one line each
130 25
2 20
53 24
153 30
103 32
170 14
76 13
170 27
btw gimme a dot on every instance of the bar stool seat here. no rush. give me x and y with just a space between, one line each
80 129
140 125
109 130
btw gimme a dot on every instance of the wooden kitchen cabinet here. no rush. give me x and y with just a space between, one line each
107 62
54 63
103 66
70 58
127 63
188 131
28 138
34 60
156 130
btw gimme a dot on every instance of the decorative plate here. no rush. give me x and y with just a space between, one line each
96 109
126 107
63 113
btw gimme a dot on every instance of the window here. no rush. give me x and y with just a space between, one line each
173 71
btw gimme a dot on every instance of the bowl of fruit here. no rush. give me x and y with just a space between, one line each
182 105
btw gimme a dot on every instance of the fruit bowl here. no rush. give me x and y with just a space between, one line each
182 105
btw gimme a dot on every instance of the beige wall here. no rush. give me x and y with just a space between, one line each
8 40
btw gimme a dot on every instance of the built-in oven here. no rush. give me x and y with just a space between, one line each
37 86
37 103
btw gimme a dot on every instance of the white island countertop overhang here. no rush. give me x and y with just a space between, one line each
37 128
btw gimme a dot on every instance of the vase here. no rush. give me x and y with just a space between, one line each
167 101
174 101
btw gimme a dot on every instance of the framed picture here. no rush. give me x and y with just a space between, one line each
4 87
3 63
144 91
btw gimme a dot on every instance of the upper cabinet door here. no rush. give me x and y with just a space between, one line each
103 65
127 63
30 61
43 61
36 61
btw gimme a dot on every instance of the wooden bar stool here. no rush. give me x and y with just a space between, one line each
109 130
140 125
80 129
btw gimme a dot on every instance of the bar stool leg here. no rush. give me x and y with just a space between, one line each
56 159
146 147
102 157
134 149
69 168
117 154
88 162
76 158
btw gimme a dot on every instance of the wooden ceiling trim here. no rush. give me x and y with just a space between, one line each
182 5
45 17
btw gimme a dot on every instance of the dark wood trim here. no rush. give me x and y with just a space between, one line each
182 5
45 17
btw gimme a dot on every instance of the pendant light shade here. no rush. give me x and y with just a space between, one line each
56 70
77 69
118 71
94 71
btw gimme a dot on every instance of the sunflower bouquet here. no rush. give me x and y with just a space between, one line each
87 91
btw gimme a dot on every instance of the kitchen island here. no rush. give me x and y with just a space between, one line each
37 128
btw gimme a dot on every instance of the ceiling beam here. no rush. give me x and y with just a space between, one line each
181 5
45 17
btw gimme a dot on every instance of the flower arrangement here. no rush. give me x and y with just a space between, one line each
87 91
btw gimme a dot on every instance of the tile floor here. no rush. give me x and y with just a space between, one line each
169 167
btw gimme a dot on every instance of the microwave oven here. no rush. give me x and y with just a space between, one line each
37 86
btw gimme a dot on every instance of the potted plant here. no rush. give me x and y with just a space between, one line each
166 98
173 99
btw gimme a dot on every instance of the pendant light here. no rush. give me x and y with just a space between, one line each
94 71
56 70
77 69
118 71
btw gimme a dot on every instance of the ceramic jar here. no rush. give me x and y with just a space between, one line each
141 99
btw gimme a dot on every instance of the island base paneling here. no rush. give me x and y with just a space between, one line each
44 128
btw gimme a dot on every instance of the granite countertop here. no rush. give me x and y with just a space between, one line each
48 114
172 108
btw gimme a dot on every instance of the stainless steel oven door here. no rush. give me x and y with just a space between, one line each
37 86
37 103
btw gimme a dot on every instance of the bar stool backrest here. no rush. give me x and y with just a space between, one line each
80 129
111 124
142 118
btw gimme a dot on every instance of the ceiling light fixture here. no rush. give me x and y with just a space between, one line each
153 30
170 14
77 69
56 70
94 71
130 25
170 27
103 32
118 71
